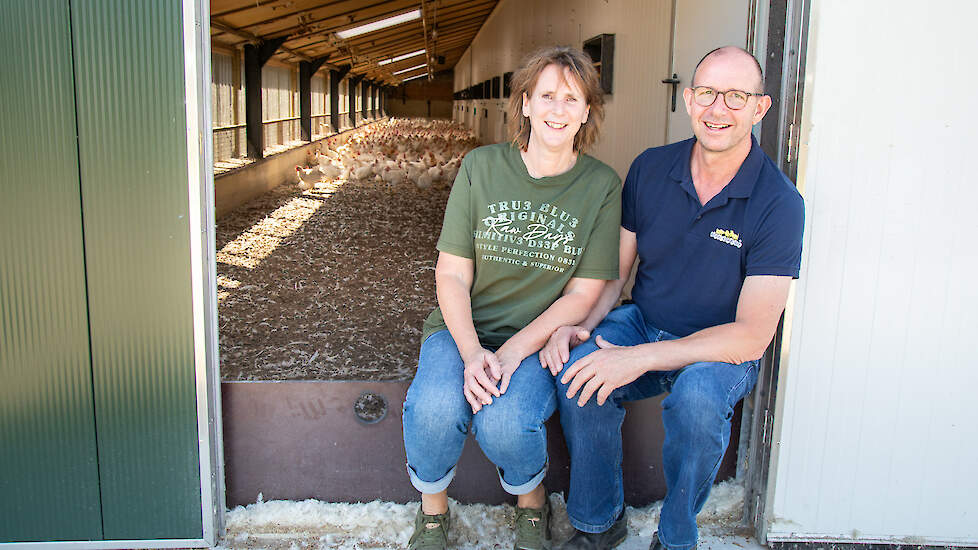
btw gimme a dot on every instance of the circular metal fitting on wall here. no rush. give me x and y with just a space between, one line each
370 407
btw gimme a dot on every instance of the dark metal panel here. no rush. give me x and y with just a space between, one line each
784 69
302 439
255 58
47 422
305 100
353 82
129 73
306 71
253 128
334 97
363 98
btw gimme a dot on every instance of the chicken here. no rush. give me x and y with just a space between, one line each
393 177
363 172
308 177
394 152
424 181
330 170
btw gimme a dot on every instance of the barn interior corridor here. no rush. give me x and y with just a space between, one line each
331 279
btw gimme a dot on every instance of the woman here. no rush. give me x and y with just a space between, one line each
529 238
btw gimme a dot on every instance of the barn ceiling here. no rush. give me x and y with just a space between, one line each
445 29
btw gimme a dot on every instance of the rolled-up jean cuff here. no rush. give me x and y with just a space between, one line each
430 487
525 487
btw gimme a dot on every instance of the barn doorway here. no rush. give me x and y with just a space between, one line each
774 30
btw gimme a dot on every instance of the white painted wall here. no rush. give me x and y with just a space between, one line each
876 438
634 113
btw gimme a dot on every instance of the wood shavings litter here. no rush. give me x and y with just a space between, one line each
332 283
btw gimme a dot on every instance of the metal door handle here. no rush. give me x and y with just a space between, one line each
675 84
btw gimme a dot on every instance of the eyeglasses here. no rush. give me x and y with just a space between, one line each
704 96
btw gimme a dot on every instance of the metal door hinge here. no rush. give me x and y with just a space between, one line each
791 143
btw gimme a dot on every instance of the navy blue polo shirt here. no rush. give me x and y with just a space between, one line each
693 258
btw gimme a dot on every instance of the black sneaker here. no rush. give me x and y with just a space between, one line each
656 545
430 532
533 528
614 536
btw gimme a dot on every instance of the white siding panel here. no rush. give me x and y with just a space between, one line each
877 438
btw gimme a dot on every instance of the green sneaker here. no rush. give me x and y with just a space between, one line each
430 532
533 528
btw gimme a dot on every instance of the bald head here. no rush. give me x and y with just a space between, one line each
736 55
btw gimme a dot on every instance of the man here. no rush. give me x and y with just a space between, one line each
717 229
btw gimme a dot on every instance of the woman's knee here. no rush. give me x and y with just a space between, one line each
505 426
431 409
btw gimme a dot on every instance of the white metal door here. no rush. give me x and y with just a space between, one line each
699 26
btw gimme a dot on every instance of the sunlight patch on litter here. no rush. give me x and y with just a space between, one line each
255 244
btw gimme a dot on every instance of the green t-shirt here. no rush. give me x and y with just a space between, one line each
528 236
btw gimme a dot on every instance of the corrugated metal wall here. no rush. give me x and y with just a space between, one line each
47 425
634 113
99 420
132 150
878 436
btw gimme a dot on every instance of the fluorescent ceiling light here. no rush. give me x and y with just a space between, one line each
413 77
382 24
411 69
402 57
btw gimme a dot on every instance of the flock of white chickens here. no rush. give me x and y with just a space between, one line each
417 151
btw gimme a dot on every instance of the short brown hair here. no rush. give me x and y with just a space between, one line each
525 79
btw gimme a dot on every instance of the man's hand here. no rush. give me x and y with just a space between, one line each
555 354
482 370
603 371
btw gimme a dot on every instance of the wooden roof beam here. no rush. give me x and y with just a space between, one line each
254 38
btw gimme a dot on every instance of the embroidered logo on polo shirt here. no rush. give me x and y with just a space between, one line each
727 236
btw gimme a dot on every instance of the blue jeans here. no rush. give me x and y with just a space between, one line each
510 431
696 415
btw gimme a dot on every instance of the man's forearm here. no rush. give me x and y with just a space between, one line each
761 303
732 343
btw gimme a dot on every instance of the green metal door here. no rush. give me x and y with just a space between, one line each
132 146
48 459
98 434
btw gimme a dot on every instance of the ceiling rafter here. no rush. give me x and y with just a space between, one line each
351 7
255 39
369 14
309 27
398 39
449 46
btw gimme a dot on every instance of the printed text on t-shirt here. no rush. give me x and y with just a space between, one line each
540 237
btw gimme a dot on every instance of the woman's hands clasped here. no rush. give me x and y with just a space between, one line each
481 371
487 375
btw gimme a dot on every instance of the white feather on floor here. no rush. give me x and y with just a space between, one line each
311 524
